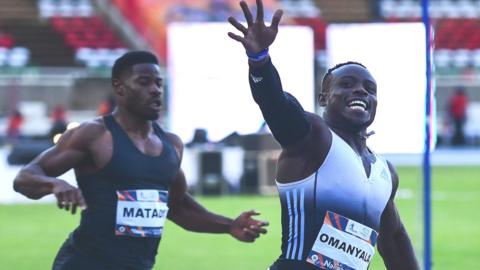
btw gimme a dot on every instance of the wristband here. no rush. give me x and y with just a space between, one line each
257 56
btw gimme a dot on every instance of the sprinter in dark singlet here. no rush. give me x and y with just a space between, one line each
336 194
129 179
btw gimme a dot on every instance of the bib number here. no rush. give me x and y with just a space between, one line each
343 244
141 213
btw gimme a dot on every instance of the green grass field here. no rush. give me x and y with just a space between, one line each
30 235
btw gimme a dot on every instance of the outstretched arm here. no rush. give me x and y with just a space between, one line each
190 215
282 112
393 243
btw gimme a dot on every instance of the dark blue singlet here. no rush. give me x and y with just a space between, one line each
94 245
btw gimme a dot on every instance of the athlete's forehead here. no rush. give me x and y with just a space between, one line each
352 70
145 69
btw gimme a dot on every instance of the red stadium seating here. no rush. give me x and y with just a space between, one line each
89 32
458 34
6 40
11 55
94 43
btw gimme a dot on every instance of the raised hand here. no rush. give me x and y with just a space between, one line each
257 37
68 196
247 229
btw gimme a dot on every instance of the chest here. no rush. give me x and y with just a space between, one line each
125 161
344 187
351 183
151 146
101 150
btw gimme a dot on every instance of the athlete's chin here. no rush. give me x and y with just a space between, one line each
360 123
359 118
152 116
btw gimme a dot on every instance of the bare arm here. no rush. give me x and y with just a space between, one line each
190 215
38 178
394 245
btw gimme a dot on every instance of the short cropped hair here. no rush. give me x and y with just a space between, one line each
328 76
129 59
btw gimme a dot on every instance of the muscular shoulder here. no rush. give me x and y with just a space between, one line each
84 134
308 155
91 130
318 124
176 141
315 145
318 141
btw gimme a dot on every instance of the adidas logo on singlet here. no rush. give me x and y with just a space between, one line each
384 174
256 79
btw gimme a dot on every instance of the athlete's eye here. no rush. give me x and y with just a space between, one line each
371 88
143 81
159 82
346 84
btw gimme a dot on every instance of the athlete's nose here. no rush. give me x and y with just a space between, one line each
156 90
360 90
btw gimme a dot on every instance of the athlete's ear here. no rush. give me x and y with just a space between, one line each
118 87
322 99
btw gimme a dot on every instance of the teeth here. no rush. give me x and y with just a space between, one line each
356 107
358 104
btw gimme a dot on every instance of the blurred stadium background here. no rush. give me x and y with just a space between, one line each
55 60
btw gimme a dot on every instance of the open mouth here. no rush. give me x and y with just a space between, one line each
156 103
358 105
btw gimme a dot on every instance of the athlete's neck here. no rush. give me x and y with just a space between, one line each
132 124
356 139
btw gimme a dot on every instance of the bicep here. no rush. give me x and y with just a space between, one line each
177 190
387 225
390 222
65 155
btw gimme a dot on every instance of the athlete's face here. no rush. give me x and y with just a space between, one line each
143 90
351 98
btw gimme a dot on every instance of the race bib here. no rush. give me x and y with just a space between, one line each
141 213
343 244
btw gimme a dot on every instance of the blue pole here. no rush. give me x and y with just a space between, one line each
426 158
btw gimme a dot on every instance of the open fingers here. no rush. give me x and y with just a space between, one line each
250 234
237 25
236 37
251 213
259 11
262 223
276 19
61 198
74 208
246 12
257 229
80 201
69 201
66 205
